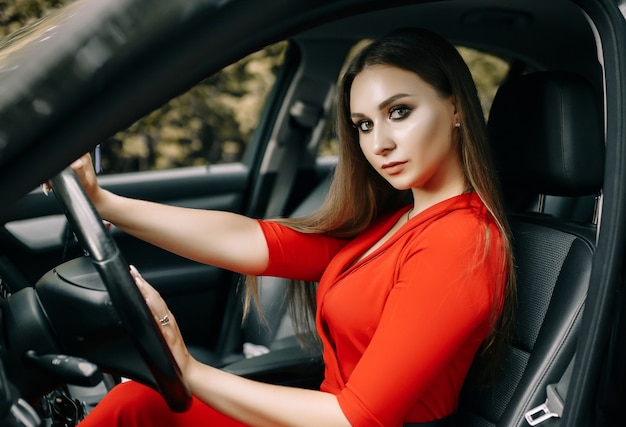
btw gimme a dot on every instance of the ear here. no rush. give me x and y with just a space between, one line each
454 114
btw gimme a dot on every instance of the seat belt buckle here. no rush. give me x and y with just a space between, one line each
551 408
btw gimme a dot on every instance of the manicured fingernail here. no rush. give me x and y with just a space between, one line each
134 270
136 275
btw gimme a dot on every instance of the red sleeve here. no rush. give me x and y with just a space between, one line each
433 321
296 255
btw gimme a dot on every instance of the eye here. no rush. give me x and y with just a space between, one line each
364 126
399 112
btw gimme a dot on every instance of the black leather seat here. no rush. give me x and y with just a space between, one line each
546 129
286 362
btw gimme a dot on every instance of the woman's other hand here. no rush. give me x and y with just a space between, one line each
84 170
166 321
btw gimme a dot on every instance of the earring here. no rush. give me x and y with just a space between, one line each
457 125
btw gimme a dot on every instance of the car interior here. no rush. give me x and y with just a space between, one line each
553 254
547 126
552 200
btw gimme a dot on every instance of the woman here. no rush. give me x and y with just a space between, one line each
412 255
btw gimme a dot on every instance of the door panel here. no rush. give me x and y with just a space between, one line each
35 239
200 150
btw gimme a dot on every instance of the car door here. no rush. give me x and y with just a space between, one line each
596 390
199 150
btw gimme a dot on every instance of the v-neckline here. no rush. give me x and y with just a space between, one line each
400 222
370 253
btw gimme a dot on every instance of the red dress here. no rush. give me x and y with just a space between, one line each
400 327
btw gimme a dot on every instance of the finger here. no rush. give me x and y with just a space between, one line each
164 318
138 280
155 303
146 290
141 283
81 162
45 187
134 272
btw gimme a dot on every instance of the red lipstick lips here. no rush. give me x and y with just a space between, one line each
393 168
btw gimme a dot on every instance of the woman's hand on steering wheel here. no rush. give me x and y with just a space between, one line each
164 317
86 174
126 297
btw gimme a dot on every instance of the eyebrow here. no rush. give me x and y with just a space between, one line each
384 104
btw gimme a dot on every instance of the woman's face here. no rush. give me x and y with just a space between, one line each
406 129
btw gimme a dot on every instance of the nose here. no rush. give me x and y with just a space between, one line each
383 141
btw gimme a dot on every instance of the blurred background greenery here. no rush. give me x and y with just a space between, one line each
213 122
209 124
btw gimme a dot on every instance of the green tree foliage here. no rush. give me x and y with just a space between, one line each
212 123
15 14
488 72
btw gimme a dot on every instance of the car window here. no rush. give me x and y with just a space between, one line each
488 71
210 124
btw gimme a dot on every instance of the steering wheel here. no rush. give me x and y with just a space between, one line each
126 298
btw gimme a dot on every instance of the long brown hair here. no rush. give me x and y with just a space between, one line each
358 195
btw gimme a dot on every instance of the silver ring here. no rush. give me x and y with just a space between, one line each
165 320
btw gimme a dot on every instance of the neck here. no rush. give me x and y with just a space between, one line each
423 200
448 182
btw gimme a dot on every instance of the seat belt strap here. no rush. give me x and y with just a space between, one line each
285 178
304 118
555 399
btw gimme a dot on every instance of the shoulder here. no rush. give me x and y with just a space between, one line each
462 227
461 216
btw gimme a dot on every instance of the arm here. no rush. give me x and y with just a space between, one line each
259 404
250 402
222 239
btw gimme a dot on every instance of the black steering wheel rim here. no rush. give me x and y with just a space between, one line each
125 296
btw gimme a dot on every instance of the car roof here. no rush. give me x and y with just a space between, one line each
516 28
92 68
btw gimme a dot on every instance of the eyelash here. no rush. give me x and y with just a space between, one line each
359 126
404 111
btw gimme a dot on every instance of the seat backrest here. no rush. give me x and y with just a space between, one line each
276 330
271 330
546 132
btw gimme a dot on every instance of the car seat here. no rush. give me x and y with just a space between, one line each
275 355
546 130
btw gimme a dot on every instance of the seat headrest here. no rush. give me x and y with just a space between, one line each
547 134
